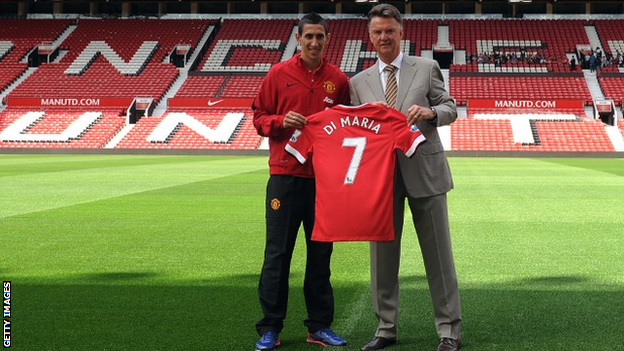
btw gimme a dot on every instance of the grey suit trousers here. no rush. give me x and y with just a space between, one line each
430 217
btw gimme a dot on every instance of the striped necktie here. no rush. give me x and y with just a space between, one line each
391 86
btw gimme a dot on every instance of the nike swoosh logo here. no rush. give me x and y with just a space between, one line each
288 85
212 103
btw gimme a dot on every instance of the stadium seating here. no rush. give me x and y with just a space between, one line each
580 135
464 88
613 88
341 31
241 44
351 50
100 81
104 76
610 33
123 59
51 124
220 86
10 72
201 86
190 126
552 39
17 38
242 87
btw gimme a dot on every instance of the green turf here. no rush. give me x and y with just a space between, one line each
163 253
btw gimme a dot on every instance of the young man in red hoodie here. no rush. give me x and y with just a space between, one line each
291 91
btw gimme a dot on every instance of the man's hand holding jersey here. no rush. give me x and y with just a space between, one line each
417 113
294 120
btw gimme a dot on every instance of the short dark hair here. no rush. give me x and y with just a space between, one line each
312 18
386 11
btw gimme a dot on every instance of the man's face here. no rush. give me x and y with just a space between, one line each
312 41
386 35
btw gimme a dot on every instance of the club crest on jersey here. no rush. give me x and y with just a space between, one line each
275 204
329 86
295 136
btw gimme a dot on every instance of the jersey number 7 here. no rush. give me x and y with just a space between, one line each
356 159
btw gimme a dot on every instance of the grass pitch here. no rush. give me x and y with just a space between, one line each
164 252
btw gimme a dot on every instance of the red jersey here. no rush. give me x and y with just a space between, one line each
291 86
354 162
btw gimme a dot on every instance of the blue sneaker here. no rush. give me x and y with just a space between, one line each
269 341
326 337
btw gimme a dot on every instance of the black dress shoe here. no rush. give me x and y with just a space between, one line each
448 344
378 343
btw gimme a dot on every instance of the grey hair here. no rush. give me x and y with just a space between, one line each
385 11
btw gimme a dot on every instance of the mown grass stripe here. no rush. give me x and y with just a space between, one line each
82 182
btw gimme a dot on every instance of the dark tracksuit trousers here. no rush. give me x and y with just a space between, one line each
290 202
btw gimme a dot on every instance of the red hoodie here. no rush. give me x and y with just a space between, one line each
291 86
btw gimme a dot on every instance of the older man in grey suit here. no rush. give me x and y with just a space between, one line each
424 179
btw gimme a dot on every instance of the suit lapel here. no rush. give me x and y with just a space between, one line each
374 82
408 72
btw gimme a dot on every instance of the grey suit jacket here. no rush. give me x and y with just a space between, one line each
427 173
